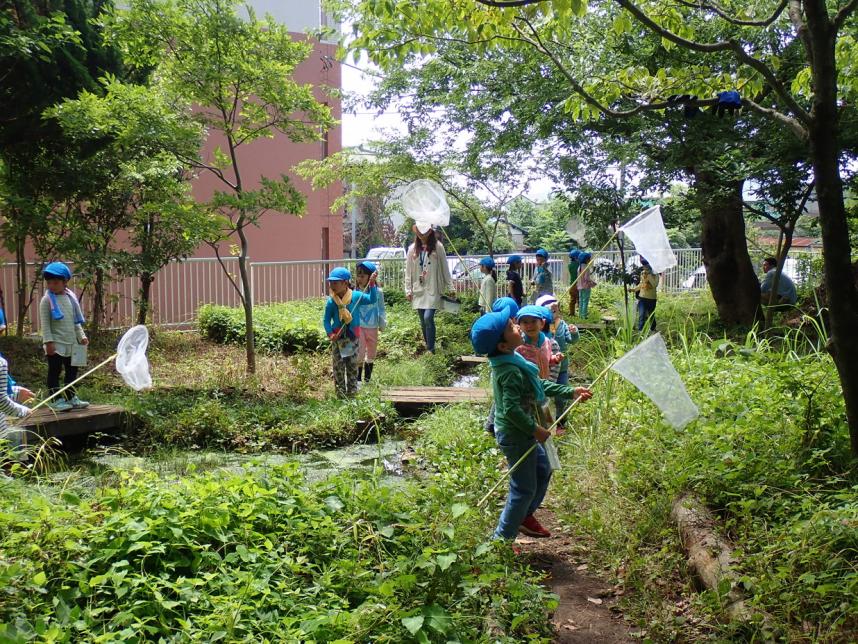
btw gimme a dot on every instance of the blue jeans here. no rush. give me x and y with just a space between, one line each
583 302
527 485
646 311
427 325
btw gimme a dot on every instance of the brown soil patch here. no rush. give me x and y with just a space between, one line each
588 611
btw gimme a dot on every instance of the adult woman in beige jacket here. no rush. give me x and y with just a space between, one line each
427 278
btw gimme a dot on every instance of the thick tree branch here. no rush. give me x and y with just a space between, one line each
536 41
508 3
845 11
727 46
722 13
794 125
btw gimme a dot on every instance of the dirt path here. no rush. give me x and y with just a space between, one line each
587 611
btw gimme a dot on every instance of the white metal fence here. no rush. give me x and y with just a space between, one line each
182 287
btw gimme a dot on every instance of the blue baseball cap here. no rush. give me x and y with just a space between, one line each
488 262
533 311
340 273
505 303
488 330
542 253
368 265
57 270
574 253
514 259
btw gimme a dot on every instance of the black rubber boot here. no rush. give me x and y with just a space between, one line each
360 374
368 370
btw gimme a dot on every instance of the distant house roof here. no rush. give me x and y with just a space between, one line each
797 242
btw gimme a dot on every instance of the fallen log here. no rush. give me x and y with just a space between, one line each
710 555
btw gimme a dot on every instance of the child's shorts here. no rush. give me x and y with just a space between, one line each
367 344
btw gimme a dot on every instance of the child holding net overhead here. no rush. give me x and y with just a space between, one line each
517 388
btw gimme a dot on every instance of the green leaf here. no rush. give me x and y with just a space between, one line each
413 624
459 509
40 579
445 561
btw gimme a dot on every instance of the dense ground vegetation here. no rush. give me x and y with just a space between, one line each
118 553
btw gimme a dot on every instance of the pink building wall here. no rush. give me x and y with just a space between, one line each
281 237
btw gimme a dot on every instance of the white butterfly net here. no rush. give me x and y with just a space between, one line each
648 368
425 202
647 233
131 361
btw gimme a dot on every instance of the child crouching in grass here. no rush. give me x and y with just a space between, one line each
342 327
517 388
372 318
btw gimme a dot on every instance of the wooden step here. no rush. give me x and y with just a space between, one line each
414 397
95 418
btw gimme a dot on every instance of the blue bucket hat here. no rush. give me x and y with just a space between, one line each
368 265
488 331
514 259
585 257
574 253
542 253
488 262
340 273
57 270
503 303
533 311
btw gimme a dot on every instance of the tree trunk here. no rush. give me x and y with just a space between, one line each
97 302
729 270
146 280
825 155
247 301
22 284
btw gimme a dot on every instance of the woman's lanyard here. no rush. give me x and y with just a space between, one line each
424 265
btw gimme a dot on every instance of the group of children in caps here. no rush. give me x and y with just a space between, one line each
352 320
526 348
61 320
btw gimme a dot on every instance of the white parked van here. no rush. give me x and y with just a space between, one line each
385 252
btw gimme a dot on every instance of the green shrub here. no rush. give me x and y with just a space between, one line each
258 556
280 328
769 454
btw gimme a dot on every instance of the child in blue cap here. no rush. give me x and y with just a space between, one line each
573 266
489 285
62 327
515 288
343 328
543 282
537 347
372 318
517 387
585 283
564 335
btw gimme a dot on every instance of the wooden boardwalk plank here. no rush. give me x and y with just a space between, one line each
424 396
95 418
473 359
